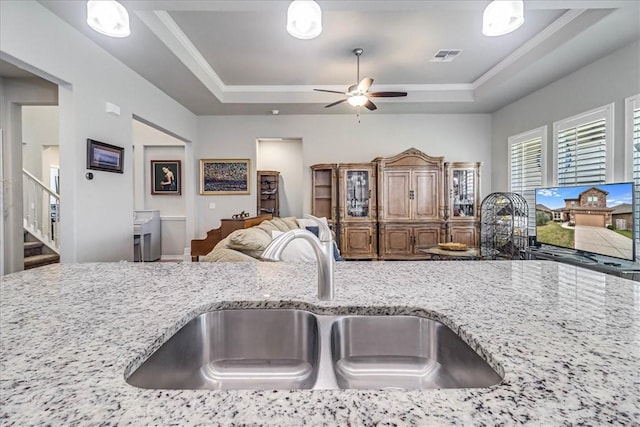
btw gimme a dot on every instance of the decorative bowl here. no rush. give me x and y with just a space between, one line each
453 246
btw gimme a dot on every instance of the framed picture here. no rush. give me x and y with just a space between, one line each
104 157
226 176
165 177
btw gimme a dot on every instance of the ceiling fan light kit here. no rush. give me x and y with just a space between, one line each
108 17
357 100
358 94
304 19
502 17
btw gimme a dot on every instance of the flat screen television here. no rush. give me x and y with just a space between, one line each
590 219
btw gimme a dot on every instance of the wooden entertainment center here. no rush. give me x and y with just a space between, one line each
394 207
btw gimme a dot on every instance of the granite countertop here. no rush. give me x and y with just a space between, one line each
567 339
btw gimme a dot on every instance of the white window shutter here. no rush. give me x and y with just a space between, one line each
582 154
583 147
526 153
634 110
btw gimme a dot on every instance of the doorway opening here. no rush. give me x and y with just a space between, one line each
154 150
285 156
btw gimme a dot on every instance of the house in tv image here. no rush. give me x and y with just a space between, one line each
586 218
622 216
589 208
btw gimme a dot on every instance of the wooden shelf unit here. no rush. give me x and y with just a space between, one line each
324 193
268 193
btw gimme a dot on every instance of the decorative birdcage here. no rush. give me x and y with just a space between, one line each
503 226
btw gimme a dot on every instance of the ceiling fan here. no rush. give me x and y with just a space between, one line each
358 95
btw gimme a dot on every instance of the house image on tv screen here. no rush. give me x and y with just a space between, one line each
597 219
590 208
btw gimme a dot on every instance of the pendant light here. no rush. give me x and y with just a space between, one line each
502 17
304 19
108 17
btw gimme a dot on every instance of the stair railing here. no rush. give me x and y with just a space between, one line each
40 212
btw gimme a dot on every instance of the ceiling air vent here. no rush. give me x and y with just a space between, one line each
446 55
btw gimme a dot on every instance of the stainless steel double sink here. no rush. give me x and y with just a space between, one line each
296 349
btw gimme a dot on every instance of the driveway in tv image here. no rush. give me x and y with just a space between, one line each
602 240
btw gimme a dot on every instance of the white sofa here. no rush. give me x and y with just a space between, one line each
247 245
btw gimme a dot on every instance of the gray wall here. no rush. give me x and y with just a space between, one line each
336 139
608 80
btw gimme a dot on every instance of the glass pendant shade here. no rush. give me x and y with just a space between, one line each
304 19
108 17
357 100
502 17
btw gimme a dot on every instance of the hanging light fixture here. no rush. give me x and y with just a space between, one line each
357 100
502 17
108 17
304 19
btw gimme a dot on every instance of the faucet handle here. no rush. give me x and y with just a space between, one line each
324 234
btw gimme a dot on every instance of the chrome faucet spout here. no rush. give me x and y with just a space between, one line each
323 250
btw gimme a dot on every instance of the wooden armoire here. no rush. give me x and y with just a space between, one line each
410 204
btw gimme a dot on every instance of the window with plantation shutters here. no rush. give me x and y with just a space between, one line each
526 158
582 148
632 124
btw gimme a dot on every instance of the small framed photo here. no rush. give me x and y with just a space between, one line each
104 157
166 178
224 176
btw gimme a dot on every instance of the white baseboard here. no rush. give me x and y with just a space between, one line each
171 258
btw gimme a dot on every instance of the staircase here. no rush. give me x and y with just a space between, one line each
36 254
40 222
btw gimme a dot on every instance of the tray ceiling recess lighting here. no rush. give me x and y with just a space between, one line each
108 17
304 19
502 17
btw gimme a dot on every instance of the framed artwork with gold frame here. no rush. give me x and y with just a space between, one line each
224 176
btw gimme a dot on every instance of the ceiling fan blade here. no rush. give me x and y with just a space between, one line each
370 105
386 94
365 84
330 91
335 103
352 89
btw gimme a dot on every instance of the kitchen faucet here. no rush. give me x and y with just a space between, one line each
322 248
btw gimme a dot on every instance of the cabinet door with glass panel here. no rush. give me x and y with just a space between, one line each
463 201
357 203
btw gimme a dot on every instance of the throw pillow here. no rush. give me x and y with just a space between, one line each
251 241
278 222
291 222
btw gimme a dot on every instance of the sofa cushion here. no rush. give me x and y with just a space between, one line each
251 241
227 255
221 253
291 222
266 226
280 224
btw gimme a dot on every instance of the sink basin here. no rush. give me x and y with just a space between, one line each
236 349
406 352
294 349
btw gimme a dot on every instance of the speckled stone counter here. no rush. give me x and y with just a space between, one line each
567 340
